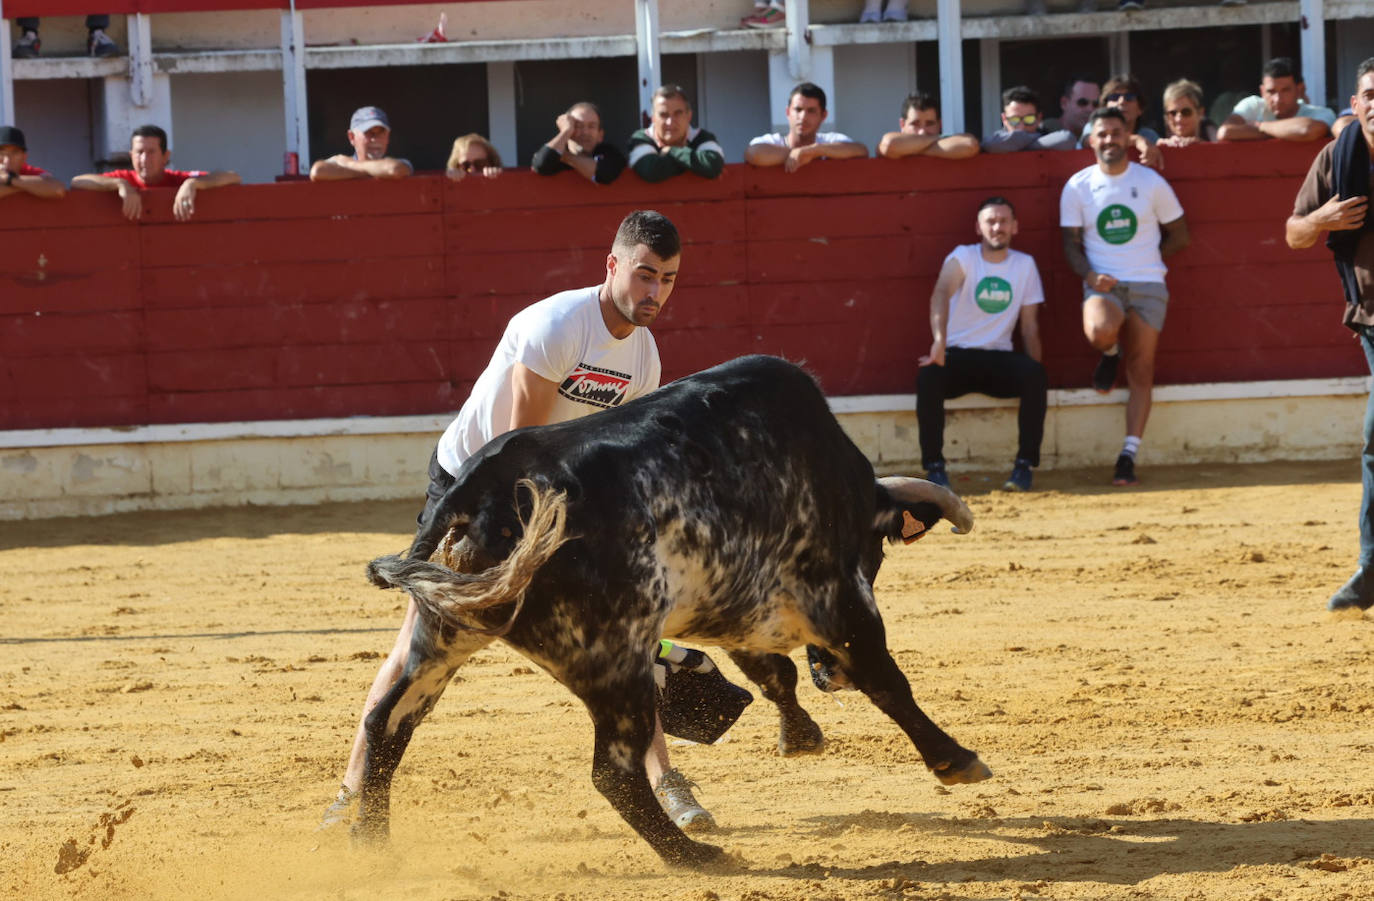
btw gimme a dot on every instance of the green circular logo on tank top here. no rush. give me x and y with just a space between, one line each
993 294
1117 224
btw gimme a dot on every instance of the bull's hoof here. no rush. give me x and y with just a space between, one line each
694 855
803 737
972 771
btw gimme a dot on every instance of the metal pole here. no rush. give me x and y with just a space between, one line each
650 64
1313 45
297 158
948 33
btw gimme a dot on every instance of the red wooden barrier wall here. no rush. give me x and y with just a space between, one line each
319 300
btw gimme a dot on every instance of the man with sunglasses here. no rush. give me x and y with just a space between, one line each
1118 221
1023 126
1280 110
1080 98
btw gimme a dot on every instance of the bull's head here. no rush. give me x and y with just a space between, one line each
908 508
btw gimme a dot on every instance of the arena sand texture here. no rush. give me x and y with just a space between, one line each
1169 712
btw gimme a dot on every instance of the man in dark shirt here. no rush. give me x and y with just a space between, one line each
670 145
580 145
1334 200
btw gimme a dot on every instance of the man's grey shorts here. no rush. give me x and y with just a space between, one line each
1148 299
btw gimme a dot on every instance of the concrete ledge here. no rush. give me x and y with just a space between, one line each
82 472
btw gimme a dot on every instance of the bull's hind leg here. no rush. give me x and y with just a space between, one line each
864 656
623 714
776 676
436 652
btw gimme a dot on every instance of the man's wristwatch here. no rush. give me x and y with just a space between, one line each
9 178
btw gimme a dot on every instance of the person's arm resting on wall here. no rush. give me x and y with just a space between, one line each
184 204
533 398
895 145
44 186
1297 128
128 191
341 166
761 153
946 286
1009 141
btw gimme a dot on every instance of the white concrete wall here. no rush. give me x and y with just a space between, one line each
872 80
230 120
733 98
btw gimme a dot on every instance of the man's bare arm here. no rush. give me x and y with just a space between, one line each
765 155
44 186
951 279
339 168
1175 237
1030 331
1334 215
1297 128
533 398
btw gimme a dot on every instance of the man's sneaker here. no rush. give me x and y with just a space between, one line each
1232 2
1357 594
936 473
341 811
1129 5
1125 472
1020 478
100 44
767 17
27 46
674 792
1104 376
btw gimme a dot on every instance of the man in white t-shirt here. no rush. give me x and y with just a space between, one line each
565 357
1112 215
1278 110
983 291
804 141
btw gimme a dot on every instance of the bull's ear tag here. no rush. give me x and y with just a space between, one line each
912 528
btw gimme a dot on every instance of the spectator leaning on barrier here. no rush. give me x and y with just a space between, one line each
1124 93
1183 115
150 154
16 175
369 133
581 146
1081 96
983 292
1023 126
1334 201
804 142
472 154
1279 110
670 145
1111 216
919 134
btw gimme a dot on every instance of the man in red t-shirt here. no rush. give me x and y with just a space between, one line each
16 175
149 154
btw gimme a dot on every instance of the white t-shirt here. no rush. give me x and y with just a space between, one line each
986 308
564 339
822 137
1120 217
1253 109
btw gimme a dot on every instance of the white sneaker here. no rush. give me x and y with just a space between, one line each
674 792
341 811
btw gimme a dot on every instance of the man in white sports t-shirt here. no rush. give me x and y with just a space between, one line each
565 357
1112 215
983 291
804 142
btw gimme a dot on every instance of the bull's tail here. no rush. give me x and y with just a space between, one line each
448 594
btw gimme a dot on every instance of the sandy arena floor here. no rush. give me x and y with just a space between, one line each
1168 710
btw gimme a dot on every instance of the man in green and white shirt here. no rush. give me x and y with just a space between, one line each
1119 220
983 292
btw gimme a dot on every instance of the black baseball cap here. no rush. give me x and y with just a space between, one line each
11 136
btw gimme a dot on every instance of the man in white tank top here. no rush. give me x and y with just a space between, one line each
983 292
565 357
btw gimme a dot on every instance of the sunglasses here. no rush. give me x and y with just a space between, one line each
472 165
1030 119
1084 101
1113 98
1186 112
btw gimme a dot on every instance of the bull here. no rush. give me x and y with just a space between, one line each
728 508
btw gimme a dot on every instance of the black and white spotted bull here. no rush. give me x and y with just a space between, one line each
728 509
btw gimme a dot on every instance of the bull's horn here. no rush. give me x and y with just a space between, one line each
911 491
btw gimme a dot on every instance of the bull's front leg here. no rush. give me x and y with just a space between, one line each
624 719
776 677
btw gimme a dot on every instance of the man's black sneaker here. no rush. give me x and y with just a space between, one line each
1020 478
1125 472
936 474
1104 376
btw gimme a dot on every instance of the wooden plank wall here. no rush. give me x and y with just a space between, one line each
299 300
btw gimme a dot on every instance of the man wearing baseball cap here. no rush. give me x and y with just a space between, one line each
369 132
16 175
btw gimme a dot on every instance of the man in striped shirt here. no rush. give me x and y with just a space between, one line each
670 145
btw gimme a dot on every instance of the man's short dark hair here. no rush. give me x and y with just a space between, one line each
1075 79
669 91
1365 68
150 131
1282 67
1106 112
650 228
997 200
810 92
1021 94
587 104
921 100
